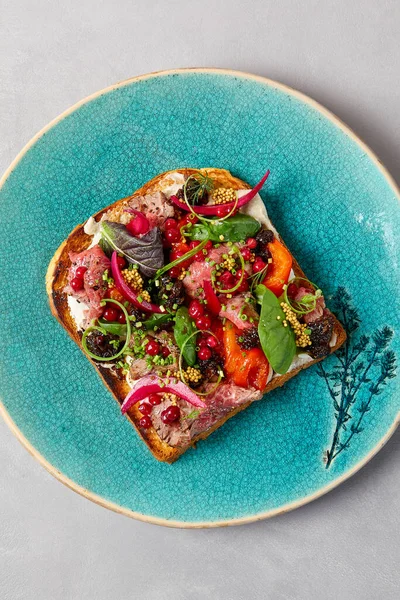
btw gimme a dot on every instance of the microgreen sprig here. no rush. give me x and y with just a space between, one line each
308 302
190 206
196 186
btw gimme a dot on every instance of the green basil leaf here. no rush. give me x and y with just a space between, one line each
184 327
156 320
259 293
278 342
234 229
113 328
199 232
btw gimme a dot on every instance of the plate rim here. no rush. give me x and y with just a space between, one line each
228 522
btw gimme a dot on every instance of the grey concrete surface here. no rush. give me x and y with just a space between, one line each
55 545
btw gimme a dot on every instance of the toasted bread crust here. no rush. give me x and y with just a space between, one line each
56 279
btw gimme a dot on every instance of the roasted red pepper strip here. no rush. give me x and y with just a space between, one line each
246 368
279 270
213 304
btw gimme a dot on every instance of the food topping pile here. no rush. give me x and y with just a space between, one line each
195 303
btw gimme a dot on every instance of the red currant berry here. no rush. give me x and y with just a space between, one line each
195 309
80 271
145 422
292 290
111 314
208 245
170 414
154 399
170 224
77 284
240 273
172 236
199 257
246 253
121 262
244 286
258 265
175 272
211 341
152 348
165 351
194 244
145 408
203 322
121 318
227 280
251 243
204 353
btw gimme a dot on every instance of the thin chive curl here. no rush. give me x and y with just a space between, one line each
307 307
240 280
200 217
102 330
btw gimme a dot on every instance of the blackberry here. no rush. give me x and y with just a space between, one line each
263 237
203 199
171 292
210 367
100 344
135 312
320 336
248 339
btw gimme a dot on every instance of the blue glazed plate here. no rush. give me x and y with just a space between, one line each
335 206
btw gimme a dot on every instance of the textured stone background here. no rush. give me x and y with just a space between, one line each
56 545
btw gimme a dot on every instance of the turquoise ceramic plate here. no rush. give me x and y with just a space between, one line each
336 207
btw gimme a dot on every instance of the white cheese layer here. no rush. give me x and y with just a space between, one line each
92 227
172 183
298 361
78 310
256 209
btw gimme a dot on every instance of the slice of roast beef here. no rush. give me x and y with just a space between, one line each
318 310
95 288
201 270
219 403
237 306
156 207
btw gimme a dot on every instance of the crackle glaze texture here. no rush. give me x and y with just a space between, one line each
333 207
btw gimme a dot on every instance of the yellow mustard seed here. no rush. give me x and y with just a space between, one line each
133 279
224 195
146 296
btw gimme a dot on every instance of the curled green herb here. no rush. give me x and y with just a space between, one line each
197 186
192 415
308 302
96 328
236 250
